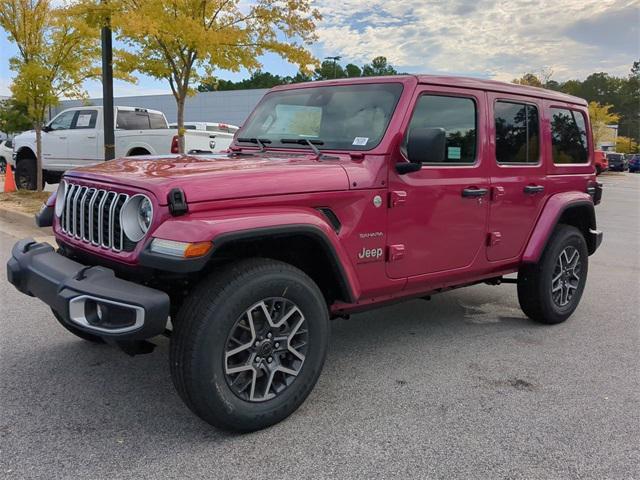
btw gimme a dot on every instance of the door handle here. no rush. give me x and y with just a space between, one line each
474 192
62 138
533 189
91 136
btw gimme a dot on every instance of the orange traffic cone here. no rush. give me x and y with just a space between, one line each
9 181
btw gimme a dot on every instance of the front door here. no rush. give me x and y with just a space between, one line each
518 179
54 141
438 215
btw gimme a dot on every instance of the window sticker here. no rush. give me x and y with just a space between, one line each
360 141
84 120
454 153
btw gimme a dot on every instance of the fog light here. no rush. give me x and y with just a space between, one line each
180 249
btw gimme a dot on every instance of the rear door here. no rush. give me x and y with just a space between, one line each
438 215
82 138
518 173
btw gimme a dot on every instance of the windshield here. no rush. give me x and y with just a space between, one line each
349 117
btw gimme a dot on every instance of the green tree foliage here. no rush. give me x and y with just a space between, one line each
353 71
328 70
378 67
622 94
14 117
325 71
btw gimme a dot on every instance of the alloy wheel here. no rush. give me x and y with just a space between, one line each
566 276
265 349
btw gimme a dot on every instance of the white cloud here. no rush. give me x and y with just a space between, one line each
497 39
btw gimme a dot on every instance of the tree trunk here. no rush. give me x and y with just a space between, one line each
180 100
39 157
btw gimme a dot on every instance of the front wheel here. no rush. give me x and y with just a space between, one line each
26 174
249 344
550 291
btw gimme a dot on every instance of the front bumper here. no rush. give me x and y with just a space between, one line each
595 240
89 298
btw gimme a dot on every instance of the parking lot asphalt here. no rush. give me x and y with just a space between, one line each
462 386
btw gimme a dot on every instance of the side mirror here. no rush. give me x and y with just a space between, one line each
46 128
424 145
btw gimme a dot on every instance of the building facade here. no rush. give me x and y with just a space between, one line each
229 106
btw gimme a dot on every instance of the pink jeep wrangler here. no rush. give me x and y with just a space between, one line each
335 197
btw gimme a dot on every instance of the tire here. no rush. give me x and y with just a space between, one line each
51 177
536 284
220 386
137 152
77 332
26 174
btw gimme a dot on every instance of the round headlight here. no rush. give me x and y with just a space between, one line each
145 214
136 216
60 194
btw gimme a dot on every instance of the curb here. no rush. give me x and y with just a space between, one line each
24 219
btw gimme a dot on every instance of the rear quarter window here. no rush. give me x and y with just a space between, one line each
131 120
568 137
157 120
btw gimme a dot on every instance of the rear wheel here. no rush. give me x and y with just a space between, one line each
249 344
550 291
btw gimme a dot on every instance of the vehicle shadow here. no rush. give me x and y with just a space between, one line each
81 388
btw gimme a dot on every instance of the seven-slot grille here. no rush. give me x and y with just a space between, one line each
93 215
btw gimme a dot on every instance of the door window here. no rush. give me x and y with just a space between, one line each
62 121
457 116
568 136
86 119
517 133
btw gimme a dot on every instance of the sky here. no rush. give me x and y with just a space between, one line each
481 38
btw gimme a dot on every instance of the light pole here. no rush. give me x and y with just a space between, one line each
335 59
107 90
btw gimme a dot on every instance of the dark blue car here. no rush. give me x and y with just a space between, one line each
634 163
617 162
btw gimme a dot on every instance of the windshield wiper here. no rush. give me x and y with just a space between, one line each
312 144
261 142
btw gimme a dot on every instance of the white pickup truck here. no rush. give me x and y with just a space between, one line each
204 137
75 137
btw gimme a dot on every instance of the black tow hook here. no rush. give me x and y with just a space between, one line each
135 347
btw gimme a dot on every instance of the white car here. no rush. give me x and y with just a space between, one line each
205 137
6 152
75 137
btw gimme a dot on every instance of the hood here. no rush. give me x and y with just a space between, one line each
219 177
25 136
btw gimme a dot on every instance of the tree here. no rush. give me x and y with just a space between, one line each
329 69
56 54
530 79
13 117
185 41
601 116
626 145
353 70
378 67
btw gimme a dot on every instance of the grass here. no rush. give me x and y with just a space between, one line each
22 200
